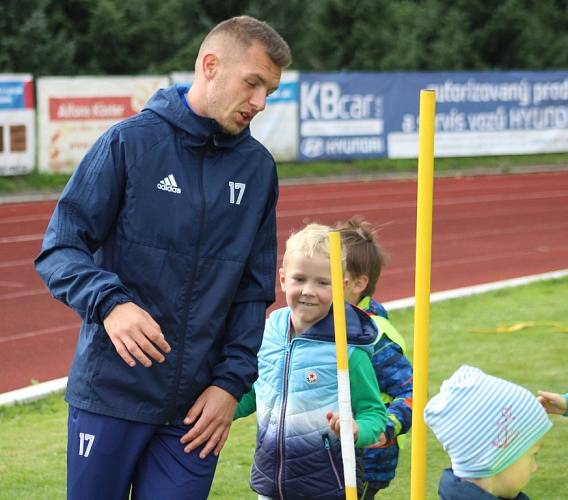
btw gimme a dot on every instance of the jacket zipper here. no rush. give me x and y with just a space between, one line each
181 346
327 445
280 438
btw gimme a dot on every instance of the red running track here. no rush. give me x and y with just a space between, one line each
485 229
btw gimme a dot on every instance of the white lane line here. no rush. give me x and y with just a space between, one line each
471 260
19 239
397 189
33 392
12 284
27 293
24 218
37 333
412 204
467 291
16 263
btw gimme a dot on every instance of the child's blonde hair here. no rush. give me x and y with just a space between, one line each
309 241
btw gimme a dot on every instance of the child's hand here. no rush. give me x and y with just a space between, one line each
333 421
381 442
552 402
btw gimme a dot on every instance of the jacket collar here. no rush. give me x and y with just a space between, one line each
200 131
452 487
361 330
371 306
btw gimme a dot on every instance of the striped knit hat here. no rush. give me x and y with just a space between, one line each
484 423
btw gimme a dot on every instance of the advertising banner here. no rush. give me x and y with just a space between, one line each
366 115
17 124
482 113
342 115
74 112
277 126
182 77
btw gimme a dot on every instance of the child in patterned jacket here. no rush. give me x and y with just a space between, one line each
365 258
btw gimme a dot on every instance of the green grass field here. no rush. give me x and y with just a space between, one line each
33 437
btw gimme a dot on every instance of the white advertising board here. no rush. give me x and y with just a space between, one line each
74 112
277 126
17 124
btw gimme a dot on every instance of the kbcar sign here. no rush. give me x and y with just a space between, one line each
340 117
325 100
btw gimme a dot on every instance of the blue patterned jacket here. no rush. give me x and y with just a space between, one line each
394 373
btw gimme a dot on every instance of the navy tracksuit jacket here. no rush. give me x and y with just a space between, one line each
169 213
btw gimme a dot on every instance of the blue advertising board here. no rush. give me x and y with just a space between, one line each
12 95
358 115
287 91
341 115
277 126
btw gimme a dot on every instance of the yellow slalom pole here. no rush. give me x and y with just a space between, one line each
344 394
422 291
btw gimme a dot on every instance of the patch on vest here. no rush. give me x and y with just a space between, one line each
311 377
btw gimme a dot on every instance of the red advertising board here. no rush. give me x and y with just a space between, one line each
90 108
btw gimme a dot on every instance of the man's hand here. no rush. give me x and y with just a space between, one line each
135 334
212 414
333 421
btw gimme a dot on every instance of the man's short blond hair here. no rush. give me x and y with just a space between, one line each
309 241
245 30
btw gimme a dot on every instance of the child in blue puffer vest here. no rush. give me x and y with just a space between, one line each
365 259
298 451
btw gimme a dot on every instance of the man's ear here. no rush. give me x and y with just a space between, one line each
282 277
210 65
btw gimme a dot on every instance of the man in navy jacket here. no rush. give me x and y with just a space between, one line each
164 242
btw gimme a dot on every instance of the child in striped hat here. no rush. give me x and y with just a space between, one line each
491 429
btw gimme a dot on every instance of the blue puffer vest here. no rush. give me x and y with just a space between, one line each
296 455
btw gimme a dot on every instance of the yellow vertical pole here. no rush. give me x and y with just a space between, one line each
343 388
422 291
